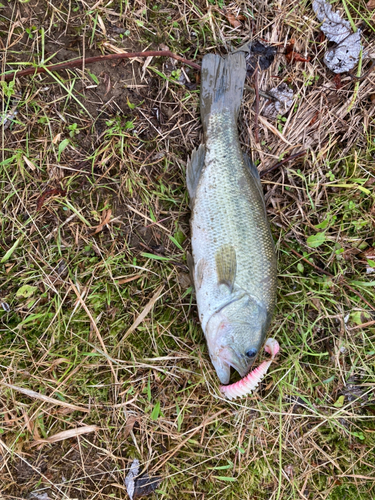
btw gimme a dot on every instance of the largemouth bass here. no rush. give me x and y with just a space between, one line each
234 262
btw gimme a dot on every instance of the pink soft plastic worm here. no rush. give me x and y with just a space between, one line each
247 384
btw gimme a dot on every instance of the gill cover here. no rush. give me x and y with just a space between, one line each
235 334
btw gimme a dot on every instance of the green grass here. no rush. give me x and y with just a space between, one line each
107 320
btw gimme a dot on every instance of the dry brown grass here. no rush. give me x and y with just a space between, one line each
102 359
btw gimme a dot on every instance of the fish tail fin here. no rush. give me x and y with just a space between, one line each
223 80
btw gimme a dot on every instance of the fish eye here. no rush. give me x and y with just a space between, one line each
251 352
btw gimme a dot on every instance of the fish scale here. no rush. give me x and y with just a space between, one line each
228 209
233 251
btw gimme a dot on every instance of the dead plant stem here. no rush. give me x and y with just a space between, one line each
81 63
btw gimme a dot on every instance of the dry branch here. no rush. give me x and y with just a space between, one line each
81 63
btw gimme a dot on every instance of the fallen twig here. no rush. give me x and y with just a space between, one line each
80 63
48 194
256 120
277 165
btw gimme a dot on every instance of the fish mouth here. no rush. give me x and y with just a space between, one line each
227 357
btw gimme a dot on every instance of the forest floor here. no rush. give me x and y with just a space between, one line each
99 333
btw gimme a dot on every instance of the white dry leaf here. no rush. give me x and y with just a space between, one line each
334 27
284 100
5 306
344 56
7 117
129 480
39 496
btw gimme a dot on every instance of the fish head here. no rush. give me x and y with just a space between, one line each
235 335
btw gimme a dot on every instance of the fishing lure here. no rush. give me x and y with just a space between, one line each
247 384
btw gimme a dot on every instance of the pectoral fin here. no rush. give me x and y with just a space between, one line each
199 273
226 265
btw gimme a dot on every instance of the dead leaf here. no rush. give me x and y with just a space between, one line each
5 305
344 56
371 5
284 101
296 57
130 478
293 57
9 267
47 194
314 118
334 27
107 83
102 26
57 138
71 433
39 496
233 20
117 50
353 390
106 216
146 485
141 486
29 163
129 425
349 253
337 81
260 55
